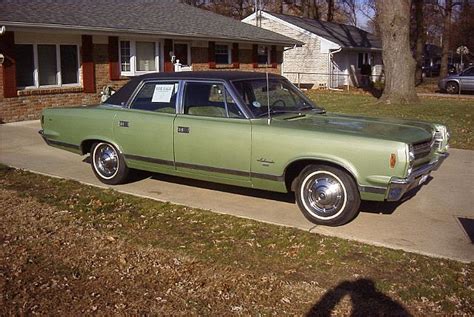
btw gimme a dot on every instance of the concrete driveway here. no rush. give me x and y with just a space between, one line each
426 223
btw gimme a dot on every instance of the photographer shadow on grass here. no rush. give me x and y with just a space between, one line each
365 298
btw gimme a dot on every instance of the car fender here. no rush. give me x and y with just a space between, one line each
333 160
91 138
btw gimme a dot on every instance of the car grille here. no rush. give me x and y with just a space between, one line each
438 139
422 149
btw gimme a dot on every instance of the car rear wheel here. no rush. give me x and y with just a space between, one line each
327 195
452 87
108 164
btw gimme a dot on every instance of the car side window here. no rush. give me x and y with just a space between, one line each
157 97
469 72
209 100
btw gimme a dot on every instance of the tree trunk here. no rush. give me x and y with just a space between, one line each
446 37
305 8
312 9
399 64
420 41
330 17
280 6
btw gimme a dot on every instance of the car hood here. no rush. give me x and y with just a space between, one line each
389 129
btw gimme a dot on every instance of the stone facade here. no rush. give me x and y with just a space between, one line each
307 60
319 63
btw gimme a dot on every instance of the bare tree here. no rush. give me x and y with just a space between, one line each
330 16
420 39
350 8
447 14
399 65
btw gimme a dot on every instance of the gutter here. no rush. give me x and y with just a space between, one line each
331 56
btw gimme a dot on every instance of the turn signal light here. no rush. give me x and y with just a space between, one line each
393 160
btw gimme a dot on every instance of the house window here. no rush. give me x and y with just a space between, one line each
363 59
69 64
222 54
146 56
138 57
263 56
25 65
39 65
125 56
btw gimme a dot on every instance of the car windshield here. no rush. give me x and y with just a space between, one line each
280 95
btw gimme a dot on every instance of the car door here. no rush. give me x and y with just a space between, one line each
144 130
212 138
467 79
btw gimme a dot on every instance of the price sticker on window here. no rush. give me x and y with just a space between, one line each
162 93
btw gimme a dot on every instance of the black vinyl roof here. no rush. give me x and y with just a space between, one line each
347 36
154 17
123 94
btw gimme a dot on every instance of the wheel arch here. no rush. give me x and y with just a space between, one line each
87 143
453 80
294 168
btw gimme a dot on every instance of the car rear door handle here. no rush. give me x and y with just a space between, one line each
183 129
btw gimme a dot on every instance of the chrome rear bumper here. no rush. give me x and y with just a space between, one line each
399 186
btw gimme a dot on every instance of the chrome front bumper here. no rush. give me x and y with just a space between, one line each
399 186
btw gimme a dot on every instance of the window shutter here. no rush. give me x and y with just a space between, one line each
88 68
235 55
168 47
212 55
114 66
273 56
7 48
255 55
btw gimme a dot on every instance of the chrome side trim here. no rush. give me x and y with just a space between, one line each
372 189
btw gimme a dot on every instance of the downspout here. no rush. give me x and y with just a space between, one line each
330 66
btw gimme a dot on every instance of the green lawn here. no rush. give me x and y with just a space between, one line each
457 114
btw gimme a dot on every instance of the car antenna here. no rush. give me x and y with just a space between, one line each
269 120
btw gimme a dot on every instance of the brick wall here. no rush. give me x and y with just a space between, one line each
29 103
199 57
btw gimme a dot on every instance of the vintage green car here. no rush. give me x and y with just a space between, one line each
254 130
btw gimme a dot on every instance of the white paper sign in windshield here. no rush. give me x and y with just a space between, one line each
162 93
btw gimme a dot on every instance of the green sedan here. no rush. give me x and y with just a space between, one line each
253 130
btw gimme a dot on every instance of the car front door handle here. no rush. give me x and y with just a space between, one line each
183 129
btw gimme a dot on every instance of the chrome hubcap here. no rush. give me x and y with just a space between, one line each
451 88
106 160
324 195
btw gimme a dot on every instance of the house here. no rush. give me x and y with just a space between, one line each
333 55
63 52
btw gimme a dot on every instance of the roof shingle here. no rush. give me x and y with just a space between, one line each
347 36
162 17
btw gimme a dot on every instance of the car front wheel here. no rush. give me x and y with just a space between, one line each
327 195
108 164
452 87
